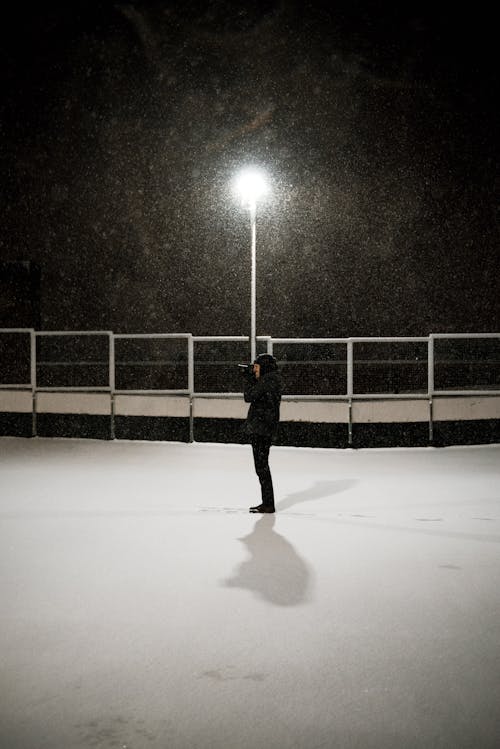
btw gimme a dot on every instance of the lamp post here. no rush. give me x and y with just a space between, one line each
251 185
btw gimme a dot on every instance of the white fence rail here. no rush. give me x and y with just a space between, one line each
113 361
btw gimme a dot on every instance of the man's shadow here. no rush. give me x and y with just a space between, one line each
274 571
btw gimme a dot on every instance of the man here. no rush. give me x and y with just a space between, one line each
263 392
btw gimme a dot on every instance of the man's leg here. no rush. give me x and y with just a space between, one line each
260 448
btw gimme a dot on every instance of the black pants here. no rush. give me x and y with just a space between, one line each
260 448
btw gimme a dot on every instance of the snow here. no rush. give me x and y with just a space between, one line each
143 607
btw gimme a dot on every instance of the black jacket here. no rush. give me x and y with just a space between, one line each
264 396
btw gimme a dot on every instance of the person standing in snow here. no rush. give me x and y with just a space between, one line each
263 391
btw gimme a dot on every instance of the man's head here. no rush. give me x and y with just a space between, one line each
266 363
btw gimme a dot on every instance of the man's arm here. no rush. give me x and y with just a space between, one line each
268 387
254 389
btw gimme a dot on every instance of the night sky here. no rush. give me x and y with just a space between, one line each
123 124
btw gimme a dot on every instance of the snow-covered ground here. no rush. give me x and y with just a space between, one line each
142 606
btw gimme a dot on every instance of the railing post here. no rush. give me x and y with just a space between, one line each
350 383
350 368
191 386
430 383
112 381
33 381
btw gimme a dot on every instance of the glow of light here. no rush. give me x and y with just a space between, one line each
251 186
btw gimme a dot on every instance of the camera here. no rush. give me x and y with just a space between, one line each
246 369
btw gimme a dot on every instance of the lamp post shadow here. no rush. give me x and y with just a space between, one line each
275 572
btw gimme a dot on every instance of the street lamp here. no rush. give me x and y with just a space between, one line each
251 186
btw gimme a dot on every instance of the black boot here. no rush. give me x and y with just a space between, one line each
263 508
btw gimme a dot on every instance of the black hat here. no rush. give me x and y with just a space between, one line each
267 363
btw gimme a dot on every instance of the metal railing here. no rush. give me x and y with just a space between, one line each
114 359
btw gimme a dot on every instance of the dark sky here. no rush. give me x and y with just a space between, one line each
123 124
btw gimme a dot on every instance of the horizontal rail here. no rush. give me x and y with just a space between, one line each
365 339
151 335
385 339
222 338
284 362
75 389
25 386
47 333
464 335
218 395
17 330
358 339
465 392
341 397
286 396
105 362
184 391
283 341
